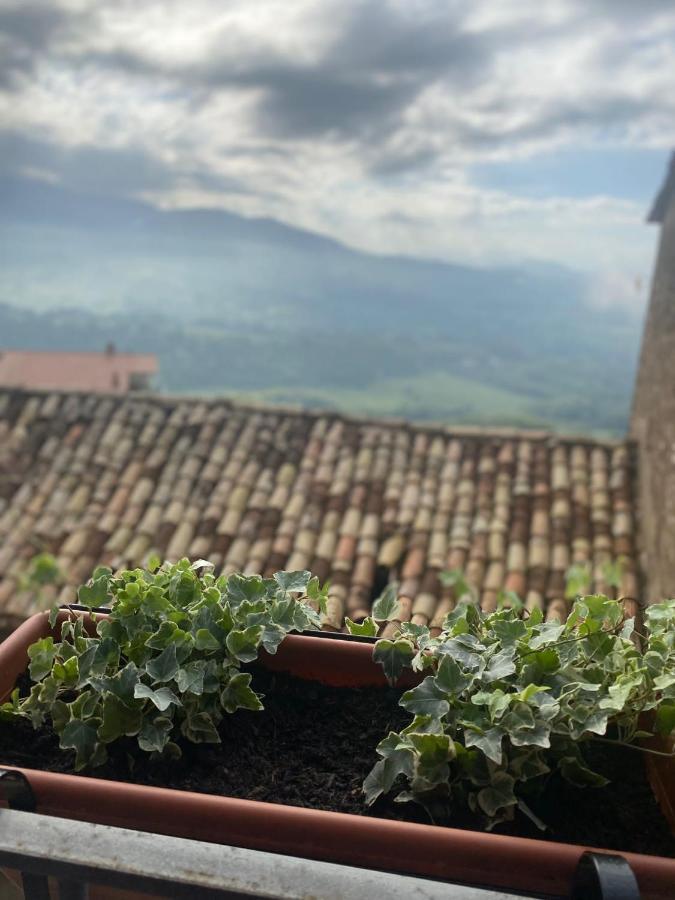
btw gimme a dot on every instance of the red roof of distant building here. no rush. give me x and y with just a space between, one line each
106 372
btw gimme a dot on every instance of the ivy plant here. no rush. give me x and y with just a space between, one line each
166 662
42 571
505 701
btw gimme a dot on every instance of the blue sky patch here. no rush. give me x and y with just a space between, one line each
624 173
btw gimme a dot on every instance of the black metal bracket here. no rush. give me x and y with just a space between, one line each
604 876
16 790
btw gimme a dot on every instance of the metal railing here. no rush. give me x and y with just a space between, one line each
77 854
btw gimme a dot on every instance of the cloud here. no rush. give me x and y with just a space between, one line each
106 171
372 73
27 31
361 119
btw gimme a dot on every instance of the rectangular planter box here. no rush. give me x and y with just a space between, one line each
459 856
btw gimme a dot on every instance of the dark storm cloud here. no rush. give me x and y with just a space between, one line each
376 66
28 31
32 25
393 162
378 63
326 102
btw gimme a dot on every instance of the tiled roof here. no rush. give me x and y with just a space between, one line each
107 372
98 479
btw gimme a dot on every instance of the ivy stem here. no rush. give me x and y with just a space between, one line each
579 637
634 747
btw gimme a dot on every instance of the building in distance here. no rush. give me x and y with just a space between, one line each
106 372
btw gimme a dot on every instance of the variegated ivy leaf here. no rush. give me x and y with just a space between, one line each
163 667
586 718
166 634
200 729
81 736
527 764
238 694
393 656
546 633
154 735
42 655
488 741
367 628
386 607
398 758
97 593
162 698
67 673
318 594
573 770
122 683
465 649
205 640
530 691
190 679
119 720
500 665
419 634
293 582
432 749
243 645
510 631
426 699
539 735
272 637
498 702
450 678
422 661
425 724
619 692
498 795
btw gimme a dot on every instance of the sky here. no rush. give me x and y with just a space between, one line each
480 132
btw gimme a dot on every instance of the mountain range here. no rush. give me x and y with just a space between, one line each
256 307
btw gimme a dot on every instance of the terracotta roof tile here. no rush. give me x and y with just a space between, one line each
108 479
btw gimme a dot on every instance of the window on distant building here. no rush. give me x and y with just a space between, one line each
139 381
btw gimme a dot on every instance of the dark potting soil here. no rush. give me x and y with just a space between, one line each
313 745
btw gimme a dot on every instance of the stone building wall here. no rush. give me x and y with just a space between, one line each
653 413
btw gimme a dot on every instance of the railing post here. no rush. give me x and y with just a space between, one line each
73 890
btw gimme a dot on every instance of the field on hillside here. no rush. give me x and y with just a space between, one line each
436 397
443 379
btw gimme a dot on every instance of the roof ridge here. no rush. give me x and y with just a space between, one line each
486 432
